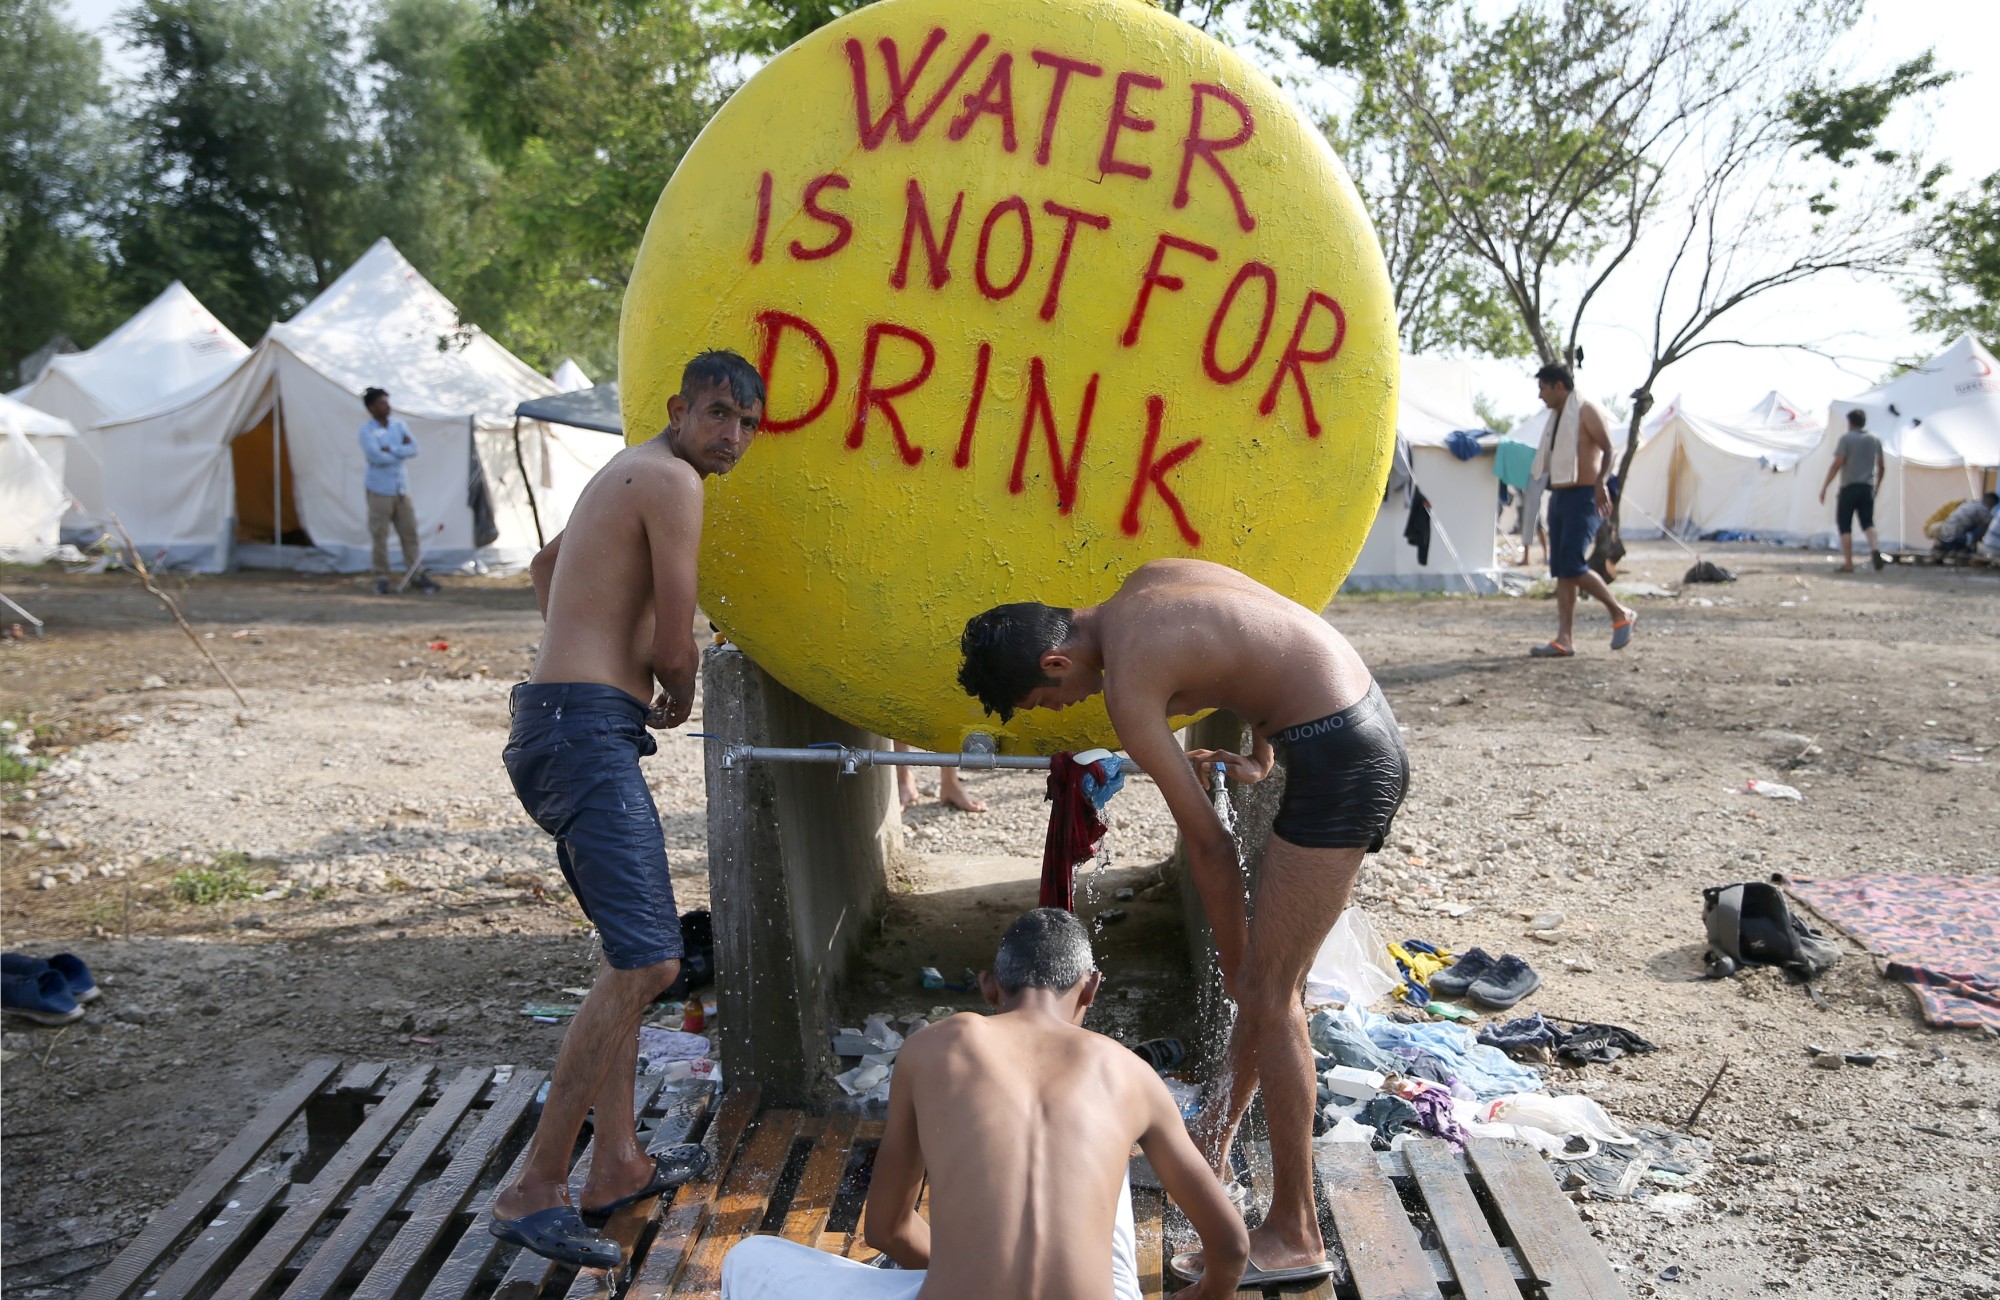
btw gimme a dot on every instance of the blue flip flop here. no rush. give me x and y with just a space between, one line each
1621 633
558 1233
41 997
671 1168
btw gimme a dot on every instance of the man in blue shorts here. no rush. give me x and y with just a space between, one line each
618 591
1575 455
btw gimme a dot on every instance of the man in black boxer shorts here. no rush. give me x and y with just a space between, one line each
1178 637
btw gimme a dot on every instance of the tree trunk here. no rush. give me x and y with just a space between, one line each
1609 548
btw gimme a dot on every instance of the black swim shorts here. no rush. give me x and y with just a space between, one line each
574 756
1855 499
1345 777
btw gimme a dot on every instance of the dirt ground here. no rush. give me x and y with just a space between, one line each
401 906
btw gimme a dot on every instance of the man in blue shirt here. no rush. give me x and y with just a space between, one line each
387 443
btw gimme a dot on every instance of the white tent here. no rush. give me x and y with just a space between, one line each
266 466
1940 431
1433 401
570 377
32 497
1699 474
171 345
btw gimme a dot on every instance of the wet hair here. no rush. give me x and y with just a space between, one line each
1557 374
722 368
1003 651
368 397
1047 948
1856 418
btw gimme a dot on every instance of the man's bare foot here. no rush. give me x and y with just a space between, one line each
951 791
906 785
615 1179
1270 1251
523 1197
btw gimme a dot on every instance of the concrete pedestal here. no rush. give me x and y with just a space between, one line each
798 867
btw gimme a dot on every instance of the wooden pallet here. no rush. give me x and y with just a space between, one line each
376 1187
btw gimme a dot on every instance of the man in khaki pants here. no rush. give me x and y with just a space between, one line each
387 443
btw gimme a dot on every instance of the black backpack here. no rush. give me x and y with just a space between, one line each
1750 925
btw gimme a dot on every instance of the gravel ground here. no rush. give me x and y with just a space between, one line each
404 894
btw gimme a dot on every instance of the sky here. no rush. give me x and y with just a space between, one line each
1862 321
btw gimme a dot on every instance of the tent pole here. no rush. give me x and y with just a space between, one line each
278 478
521 463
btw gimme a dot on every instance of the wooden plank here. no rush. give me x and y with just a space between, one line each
168 1226
1477 1265
821 1180
276 1248
240 1215
446 1196
372 1208
529 1272
624 1228
476 1248
745 1198
365 1077
1552 1241
657 1273
1148 1242
1384 1256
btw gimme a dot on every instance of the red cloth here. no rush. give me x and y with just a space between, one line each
1074 830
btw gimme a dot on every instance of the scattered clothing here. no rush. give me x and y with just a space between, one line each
1074 830
1413 1063
1599 1044
1416 961
1339 1037
1524 1034
1388 1115
1433 1108
1483 1072
1463 443
1417 528
1940 934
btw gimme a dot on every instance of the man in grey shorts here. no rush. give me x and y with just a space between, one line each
1860 464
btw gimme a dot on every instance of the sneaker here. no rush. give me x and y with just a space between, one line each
76 975
381 586
42 997
1510 980
1454 980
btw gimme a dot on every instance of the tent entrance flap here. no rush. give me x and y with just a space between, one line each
263 466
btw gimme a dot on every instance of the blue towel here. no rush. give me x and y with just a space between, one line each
1484 1071
1463 443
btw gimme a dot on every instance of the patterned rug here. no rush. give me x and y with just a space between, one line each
1940 934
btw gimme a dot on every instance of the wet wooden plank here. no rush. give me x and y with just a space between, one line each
371 1209
681 1230
446 1196
529 1272
1149 1241
743 1202
196 1203
205 1255
1552 1242
475 1250
276 1248
814 1200
1384 1256
624 1228
1481 1271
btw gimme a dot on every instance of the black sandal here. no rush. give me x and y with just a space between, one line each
559 1233
671 1168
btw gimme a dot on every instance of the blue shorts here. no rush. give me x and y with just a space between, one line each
1572 528
573 754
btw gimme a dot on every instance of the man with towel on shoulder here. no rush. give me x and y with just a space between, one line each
1575 457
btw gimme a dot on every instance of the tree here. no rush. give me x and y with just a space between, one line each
253 178
587 107
59 153
1761 210
1961 291
432 177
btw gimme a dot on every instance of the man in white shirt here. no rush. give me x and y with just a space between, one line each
386 443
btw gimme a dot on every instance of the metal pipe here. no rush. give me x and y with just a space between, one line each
851 761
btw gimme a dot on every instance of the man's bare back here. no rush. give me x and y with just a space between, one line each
1187 635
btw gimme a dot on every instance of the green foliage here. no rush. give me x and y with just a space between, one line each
58 157
253 173
1842 123
432 177
1963 242
224 880
767 26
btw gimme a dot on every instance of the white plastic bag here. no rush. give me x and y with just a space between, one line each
1562 1116
1352 967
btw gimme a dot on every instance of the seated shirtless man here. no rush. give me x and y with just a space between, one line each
1023 1122
618 590
1182 636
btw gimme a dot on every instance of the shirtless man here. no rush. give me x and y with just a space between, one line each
618 592
1022 1121
1575 457
1182 636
